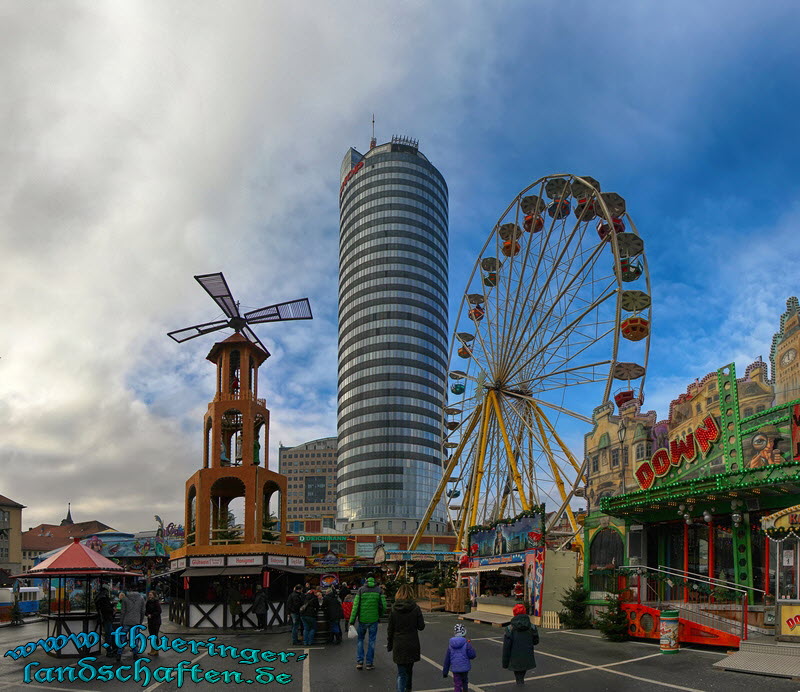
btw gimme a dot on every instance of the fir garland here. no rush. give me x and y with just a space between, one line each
536 510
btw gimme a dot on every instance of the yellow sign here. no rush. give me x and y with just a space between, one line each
790 620
784 520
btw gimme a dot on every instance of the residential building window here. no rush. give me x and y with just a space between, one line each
614 458
595 463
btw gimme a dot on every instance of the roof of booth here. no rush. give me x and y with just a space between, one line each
75 559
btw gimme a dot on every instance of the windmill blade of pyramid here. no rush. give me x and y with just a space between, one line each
181 335
250 334
216 286
280 312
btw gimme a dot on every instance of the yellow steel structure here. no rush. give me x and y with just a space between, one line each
488 418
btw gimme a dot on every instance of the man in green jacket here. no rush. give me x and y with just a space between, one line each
368 607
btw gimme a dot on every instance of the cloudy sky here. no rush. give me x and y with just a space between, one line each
145 142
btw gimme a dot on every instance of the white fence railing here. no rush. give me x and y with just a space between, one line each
551 621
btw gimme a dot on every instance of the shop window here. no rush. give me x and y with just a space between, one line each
748 412
759 408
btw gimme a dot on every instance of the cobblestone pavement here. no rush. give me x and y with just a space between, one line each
567 660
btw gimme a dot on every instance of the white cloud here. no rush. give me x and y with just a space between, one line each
146 142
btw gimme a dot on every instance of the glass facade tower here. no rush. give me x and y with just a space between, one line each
393 258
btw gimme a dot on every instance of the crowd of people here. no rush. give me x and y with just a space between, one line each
348 605
133 609
363 607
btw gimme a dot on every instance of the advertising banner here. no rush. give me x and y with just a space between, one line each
505 538
534 582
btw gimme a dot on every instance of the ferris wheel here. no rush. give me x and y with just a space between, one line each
554 321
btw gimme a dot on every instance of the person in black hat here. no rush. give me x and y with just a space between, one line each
293 605
105 609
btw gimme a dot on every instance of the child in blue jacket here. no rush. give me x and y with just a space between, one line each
458 657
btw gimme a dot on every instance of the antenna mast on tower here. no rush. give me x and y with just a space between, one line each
373 142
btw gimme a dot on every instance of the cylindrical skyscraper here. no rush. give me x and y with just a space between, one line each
393 255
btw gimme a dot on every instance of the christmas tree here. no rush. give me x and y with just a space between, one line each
574 601
613 621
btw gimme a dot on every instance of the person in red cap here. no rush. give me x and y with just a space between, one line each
518 642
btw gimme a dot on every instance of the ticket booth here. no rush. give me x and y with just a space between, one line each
783 529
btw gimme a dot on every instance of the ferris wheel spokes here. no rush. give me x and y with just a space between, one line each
564 332
541 292
517 345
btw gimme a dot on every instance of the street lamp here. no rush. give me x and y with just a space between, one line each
621 430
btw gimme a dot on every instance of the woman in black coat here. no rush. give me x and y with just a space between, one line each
152 609
518 642
334 614
405 622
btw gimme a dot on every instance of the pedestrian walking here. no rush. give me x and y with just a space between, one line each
405 623
260 607
308 612
152 610
334 614
458 659
131 614
344 591
105 611
368 607
293 605
518 641
234 599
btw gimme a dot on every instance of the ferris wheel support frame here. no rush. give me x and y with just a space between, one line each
483 440
509 453
554 467
446 477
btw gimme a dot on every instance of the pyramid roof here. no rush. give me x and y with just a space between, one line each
75 558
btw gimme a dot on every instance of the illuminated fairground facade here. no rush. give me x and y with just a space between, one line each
699 512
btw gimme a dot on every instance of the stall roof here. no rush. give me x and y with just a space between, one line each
204 571
488 568
75 559
296 570
251 569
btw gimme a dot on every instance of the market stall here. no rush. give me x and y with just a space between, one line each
505 566
783 530
73 574
218 591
